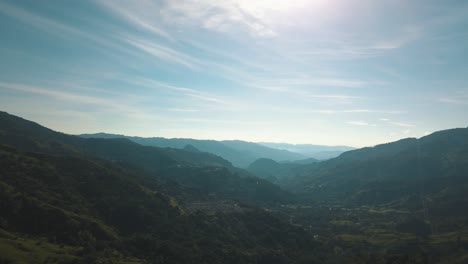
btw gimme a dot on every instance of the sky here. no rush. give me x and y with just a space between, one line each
330 72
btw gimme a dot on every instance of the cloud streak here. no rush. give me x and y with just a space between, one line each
359 123
460 100
221 16
401 124
81 100
162 52
187 92
140 14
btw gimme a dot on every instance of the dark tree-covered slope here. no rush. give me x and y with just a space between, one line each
429 167
91 208
199 169
65 199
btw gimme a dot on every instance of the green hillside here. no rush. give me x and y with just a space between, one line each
166 164
67 199
71 200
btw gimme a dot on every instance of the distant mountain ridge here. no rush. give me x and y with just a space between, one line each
427 167
320 152
198 170
239 153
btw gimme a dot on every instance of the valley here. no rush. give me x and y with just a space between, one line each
68 199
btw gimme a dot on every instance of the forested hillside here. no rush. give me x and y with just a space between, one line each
66 199
69 200
394 171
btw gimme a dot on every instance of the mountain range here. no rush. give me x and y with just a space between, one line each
239 153
70 199
320 152
164 163
424 167
73 200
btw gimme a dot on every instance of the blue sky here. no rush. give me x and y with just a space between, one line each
357 72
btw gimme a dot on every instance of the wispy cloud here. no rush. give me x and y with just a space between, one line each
456 100
407 35
401 124
343 46
61 95
304 94
359 111
359 123
329 99
75 98
311 81
42 23
107 45
188 92
363 123
230 122
215 15
329 96
183 110
141 14
161 52
374 111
